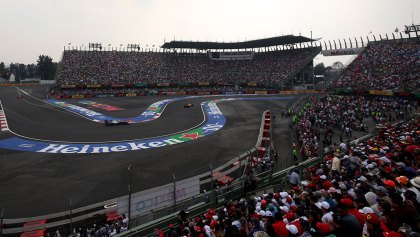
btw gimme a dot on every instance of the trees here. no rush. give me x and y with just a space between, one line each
4 72
338 65
46 67
319 69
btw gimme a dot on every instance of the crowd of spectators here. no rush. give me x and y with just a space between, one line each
109 228
388 65
330 115
367 189
129 68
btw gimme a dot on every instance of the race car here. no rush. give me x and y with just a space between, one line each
115 122
188 105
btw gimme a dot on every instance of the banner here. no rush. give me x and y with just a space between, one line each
68 86
340 52
77 96
385 92
203 93
404 94
285 92
93 86
251 84
159 197
104 95
203 84
117 85
141 85
344 90
130 94
162 84
261 92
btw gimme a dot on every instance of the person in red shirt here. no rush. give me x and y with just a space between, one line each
279 226
352 210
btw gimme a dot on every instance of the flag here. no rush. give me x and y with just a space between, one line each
69 44
370 32
396 30
109 45
121 45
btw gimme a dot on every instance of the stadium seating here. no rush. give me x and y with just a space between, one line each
88 69
386 65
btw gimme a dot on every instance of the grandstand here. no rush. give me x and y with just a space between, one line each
260 64
385 65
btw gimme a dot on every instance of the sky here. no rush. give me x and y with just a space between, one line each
33 27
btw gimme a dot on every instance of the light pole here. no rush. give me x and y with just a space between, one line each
1 222
129 194
71 217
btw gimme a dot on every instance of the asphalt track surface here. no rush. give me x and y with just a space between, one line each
33 184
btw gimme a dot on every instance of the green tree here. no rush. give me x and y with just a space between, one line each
2 67
319 69
338 65
46 67
31 70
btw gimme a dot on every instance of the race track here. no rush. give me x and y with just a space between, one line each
33 183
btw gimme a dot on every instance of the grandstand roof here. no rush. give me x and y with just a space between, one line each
259 43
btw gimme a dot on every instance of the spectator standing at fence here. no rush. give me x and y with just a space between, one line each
247 182
335 165
294 178
294 153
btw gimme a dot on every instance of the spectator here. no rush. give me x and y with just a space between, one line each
294 178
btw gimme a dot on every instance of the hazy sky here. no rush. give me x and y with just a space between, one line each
33 27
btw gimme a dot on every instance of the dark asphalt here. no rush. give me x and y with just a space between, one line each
33 184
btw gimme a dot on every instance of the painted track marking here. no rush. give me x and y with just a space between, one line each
3 121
